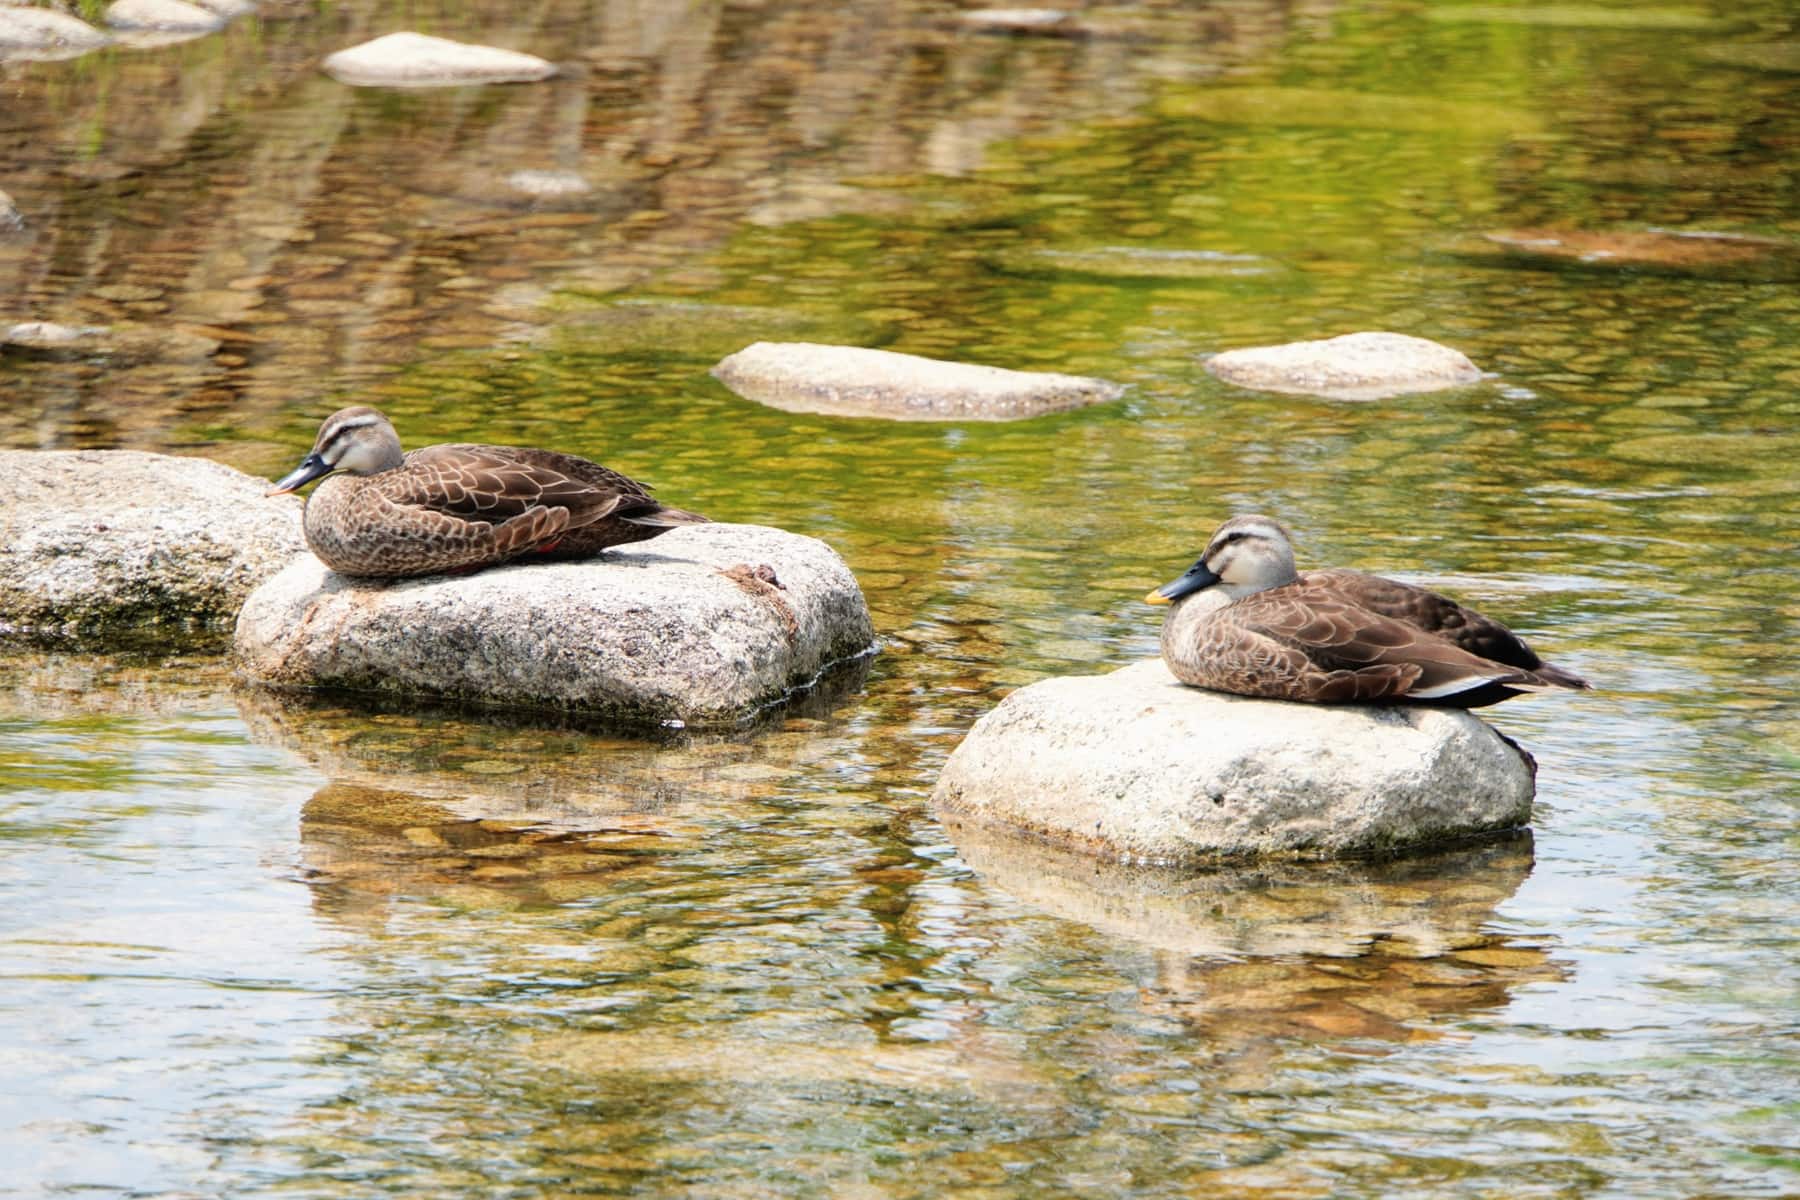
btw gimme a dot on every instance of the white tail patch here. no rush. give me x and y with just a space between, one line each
1468 683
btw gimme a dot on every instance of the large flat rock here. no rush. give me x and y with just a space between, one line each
1136 767
703 625
416 60
116 546
1356 366
851 381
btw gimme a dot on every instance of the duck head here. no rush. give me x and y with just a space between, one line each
1246 554
358 440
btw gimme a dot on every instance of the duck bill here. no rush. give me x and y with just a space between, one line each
1196 578
310 468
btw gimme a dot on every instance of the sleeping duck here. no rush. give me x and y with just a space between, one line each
1245 621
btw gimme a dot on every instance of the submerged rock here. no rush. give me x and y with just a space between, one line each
1136 263
415 60
1780 58
115 546
854 382
1697 254
1356 366
1137 767
10 216
1580 16
125 343
703 625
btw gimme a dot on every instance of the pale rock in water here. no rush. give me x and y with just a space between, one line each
172 16
103 546
855 382
415 60
703 625
1136 767
1356 366
39 34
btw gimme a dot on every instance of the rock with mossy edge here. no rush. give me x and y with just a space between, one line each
704 626
1137 767
109 549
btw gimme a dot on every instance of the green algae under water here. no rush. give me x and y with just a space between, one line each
328 949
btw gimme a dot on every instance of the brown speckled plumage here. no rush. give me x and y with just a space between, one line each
1246 622
461 507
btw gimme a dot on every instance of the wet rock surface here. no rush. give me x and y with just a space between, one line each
1135 767
703 625
416 60
1356 366
106 546
855 382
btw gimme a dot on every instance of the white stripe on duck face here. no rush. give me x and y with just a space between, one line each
1250 554
360 441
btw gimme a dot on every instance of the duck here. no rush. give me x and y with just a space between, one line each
383 514
1245 621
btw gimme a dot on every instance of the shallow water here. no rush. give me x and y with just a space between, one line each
255 947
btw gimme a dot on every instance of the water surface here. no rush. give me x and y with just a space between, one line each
327 949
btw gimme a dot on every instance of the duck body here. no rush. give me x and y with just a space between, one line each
1245 621
459 507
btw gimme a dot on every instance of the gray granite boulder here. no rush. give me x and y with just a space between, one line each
1356 366
851 381
117 546
1136 767
415 60
702 626
40 34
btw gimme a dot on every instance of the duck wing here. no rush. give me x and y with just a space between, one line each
498 483
1435 614
1320 646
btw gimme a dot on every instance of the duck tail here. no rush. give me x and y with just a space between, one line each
1559 679
659 516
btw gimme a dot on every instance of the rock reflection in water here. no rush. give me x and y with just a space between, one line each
1355 949
525 765
362 846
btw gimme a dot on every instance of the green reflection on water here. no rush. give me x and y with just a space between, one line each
561 963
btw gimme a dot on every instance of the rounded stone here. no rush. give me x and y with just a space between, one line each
416 60
42 34
172 16
1137 767
1356 366
855 382
114 546
703 625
